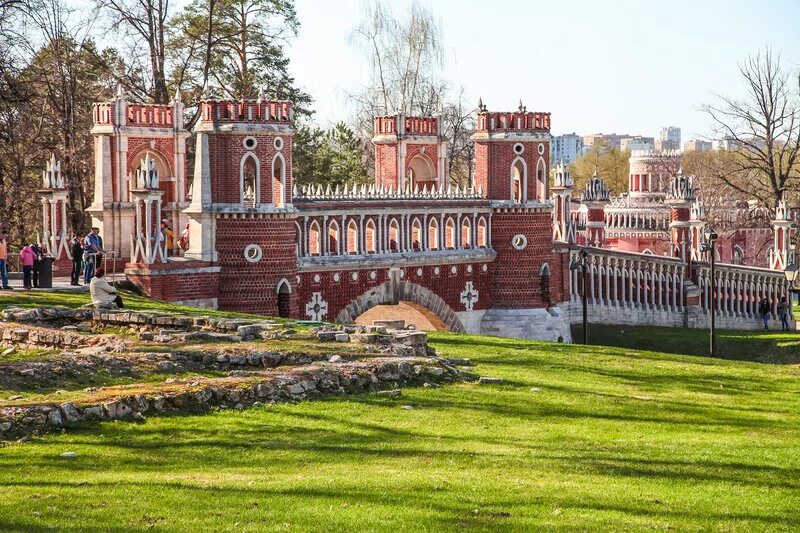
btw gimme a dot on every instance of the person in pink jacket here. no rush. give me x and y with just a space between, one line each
26 258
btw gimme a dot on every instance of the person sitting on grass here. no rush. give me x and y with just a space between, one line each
103 294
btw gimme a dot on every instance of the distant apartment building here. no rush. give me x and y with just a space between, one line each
670 138
566 148
612 140
637 142
694 145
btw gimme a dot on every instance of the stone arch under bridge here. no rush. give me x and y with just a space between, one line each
392 292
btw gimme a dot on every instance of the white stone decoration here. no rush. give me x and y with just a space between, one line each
519 242
469 296
249 142
253 253
278 143
373 275
436 270
316 278
317 308
419 272
354 276
147 174
469 269
519 148
540 148
336 277
485 267
453 269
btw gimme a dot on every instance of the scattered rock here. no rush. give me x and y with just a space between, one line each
536 389
487 380
69 455
335 359
393 394
8 351
407 407
342 337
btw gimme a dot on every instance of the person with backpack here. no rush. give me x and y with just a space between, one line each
765 310
783 313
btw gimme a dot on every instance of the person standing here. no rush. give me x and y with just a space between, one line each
26 258
183 239
38 255
167 235
92 250
783 313
4 260
76 248
765 309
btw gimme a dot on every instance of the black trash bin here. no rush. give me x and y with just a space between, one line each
46 273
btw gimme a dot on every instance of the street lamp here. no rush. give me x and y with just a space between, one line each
580 262
791 276
708 246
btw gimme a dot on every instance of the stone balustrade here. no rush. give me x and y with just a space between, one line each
740 289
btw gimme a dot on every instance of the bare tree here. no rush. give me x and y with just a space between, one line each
144 21
763 129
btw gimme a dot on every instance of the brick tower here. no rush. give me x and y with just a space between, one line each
595 198
125 134
410 152
241 215
680 197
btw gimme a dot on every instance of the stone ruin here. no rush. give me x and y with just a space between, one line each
252 368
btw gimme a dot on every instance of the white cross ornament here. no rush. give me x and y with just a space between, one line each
317 308
469 296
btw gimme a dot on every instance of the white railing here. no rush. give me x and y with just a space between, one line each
372 192
740 289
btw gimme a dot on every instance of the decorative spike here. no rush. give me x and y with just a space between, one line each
372 189
328 190
346 192
261 96
337 192
177 98
425 189
458 189
416 189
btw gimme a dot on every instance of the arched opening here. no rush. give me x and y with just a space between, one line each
352 237
433 234
314 239
466 233
544 284
413 297
416 235
278 181
541 180
482 236
249 181
370 244
409 312
333 238
519 180
394 235
284 298
421 172
166 182
647 251
738 255
450 234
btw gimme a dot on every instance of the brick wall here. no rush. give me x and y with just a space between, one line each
386 165
515 273
252 287
493 164
173 282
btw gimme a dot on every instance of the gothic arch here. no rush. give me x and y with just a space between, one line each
249 180
384 294
314 246
416 235
279 180
518 180
541 180
370 237
394 236
162 163
421 171
334 237
433 234
352 237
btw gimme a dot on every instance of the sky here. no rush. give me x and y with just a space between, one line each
611 66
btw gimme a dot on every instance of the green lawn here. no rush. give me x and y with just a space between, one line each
773 347
616 439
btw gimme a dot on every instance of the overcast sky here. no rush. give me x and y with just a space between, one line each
611 66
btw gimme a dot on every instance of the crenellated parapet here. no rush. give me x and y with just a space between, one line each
259 113
520 121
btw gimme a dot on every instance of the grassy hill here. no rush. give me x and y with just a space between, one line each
576 438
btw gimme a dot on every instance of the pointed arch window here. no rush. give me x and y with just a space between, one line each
249 181
314 239
519 180
279 181
433 234
370 237
541 180
416 235
333 238
352 237
450 234
466 233
544 284
482 233
394 235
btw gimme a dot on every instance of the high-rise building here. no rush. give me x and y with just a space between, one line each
611 140
637 142
566 148
694 145
670 138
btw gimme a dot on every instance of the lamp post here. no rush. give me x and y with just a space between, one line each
709 246
791 273
580 262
